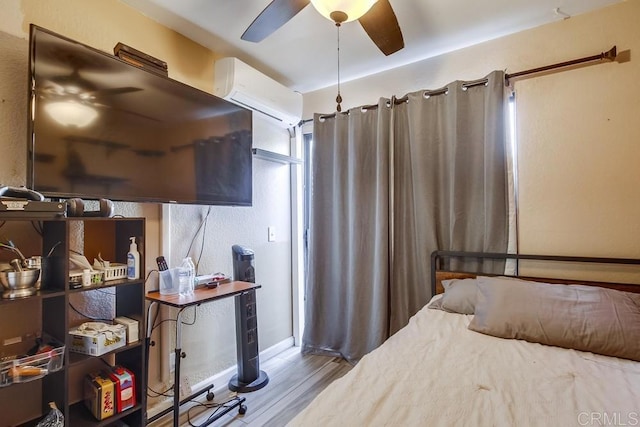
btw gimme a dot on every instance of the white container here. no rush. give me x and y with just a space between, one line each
86 277
170 281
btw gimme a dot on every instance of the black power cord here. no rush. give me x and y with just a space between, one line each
218 407
88 317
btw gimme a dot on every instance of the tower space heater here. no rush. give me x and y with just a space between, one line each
249 376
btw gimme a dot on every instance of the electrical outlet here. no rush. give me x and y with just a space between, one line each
272 234
172 363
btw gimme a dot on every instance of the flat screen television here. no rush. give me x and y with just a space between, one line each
102 128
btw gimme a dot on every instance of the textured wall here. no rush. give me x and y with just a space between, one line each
13 109
248 227
210 343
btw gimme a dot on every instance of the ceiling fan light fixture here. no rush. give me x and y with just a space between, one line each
71 113
353 9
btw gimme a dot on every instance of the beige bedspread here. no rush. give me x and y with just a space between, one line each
435 372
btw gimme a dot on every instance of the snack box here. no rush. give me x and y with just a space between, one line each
99 395
125 388
96 338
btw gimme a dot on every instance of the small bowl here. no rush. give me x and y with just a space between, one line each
13 280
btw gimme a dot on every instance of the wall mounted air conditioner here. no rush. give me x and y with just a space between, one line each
241 84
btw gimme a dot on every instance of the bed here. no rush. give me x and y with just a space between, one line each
438 372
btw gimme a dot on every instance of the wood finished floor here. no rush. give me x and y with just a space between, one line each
294 380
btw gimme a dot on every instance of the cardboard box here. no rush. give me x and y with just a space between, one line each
99 395
132 327
125 388
96 338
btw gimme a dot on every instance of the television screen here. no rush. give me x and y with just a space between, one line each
102 128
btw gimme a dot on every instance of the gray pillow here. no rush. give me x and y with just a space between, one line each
459 296
587 318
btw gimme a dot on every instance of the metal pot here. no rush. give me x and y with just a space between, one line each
14 280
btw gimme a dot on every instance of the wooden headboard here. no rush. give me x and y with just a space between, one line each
439 273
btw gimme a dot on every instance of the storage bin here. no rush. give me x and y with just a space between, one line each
32 367
113 272
75 278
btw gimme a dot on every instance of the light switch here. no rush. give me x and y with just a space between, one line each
272 234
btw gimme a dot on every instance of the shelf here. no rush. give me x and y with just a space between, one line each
108 284
275 157
47 311
54 293
80 416
43 294
79 358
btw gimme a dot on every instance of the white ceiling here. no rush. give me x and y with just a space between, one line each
302 54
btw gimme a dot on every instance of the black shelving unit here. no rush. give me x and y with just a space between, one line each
47 312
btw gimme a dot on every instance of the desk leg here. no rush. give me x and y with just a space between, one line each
176 387
147 341
176 372
175 408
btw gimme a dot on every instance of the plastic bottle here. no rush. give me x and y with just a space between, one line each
133 260
187 276
86 277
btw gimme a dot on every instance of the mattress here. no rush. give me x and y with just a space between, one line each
436 372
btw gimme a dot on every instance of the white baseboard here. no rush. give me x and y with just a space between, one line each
222 378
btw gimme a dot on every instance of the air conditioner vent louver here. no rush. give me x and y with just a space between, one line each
252 107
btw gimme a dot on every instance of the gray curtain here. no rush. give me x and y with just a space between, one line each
390 186
449 184
346 308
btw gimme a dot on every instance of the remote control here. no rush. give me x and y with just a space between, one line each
162 264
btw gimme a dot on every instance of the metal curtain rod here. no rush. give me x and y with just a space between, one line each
398 101
610 55
332 115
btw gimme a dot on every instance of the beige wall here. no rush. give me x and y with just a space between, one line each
210 343
578 131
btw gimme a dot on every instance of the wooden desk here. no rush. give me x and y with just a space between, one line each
200 296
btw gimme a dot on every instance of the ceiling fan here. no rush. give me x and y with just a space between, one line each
376 17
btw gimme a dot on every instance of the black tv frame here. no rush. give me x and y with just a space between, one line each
31 137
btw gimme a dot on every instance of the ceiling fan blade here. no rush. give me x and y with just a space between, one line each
274 16
381 25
